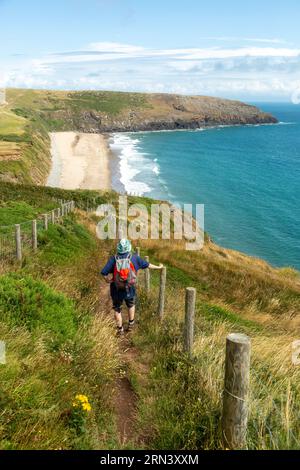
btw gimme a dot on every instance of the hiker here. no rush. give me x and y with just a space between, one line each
121 272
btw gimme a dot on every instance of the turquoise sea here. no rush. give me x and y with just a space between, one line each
247 177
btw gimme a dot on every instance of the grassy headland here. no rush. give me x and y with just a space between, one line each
30 115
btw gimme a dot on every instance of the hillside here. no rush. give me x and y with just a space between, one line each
30 114
145 393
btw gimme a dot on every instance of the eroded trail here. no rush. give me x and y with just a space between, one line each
123 396
125 399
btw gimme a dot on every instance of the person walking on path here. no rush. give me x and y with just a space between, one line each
120 272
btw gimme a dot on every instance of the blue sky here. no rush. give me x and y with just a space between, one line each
234 49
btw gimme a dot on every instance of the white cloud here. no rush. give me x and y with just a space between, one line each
245 39
256 71
114 47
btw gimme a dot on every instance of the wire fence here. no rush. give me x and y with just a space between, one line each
7 243
17 239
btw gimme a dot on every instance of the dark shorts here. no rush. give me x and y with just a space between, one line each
120 296
117 304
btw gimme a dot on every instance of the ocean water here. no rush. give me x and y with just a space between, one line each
247 177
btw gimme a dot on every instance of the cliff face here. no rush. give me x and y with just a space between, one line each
168 112
95 111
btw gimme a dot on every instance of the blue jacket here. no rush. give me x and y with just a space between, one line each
138 263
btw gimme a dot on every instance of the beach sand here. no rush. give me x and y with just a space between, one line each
79 161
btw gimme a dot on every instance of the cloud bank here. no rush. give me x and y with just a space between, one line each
262 68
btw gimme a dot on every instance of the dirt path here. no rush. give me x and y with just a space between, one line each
125 400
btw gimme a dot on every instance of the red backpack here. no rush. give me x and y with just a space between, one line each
124 272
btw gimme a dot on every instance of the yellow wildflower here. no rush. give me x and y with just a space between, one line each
82 398
86 407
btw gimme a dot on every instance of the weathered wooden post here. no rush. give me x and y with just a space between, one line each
162 288
45 221
147 277
190 302
62 210
53 217
18 242
236 386
34 235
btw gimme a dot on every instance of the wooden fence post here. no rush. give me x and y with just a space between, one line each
236 385
147 277
62 210
190 302
45 221
18 242
162 288
53 217
34 235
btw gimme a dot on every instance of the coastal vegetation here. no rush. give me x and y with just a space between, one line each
60 343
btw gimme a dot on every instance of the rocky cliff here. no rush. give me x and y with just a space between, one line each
163 112
95 111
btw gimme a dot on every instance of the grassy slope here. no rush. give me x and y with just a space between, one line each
24 146
58 342
179 401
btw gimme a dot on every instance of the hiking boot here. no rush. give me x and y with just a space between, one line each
130 325
120 331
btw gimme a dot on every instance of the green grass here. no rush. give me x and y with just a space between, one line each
10 123
61 244
27 302
38 196
16 212
55 347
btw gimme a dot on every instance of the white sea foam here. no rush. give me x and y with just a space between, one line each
133 163
156 169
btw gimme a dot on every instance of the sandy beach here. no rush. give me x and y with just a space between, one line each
79 161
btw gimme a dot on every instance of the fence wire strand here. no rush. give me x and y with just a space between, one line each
8 233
